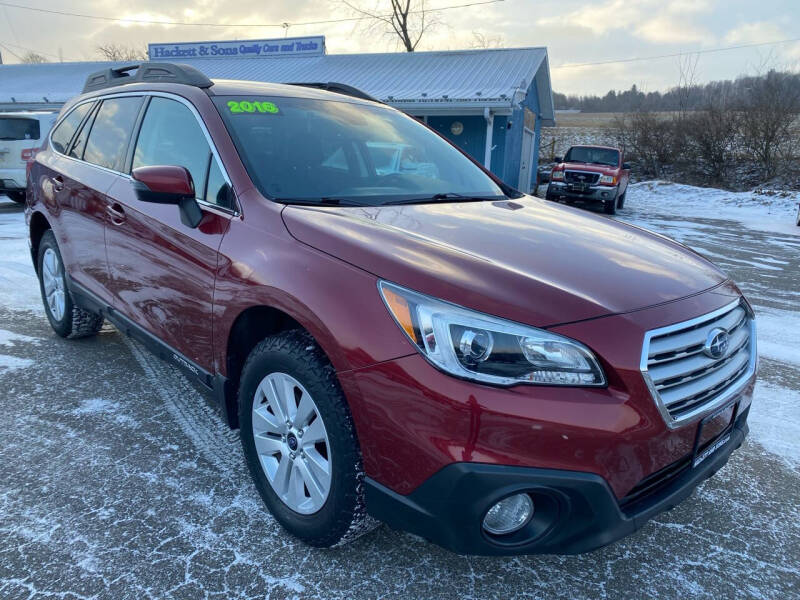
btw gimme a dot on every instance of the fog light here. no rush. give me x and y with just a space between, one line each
509 515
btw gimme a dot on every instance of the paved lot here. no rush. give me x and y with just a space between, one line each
117 480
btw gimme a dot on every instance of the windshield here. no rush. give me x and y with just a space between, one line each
307 150
16 128
595 156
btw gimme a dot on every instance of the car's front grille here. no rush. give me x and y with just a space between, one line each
687 373
581 177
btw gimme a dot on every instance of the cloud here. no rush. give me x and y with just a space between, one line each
666 29
755 33
600 18
653 21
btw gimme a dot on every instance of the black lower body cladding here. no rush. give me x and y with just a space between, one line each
573 512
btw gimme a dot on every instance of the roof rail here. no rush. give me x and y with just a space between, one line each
146 72
340 88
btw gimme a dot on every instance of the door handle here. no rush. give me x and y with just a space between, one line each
58 183
116 212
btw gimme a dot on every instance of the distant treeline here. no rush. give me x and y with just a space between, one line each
694 97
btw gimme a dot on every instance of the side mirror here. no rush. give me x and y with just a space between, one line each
626 166
167 184
558 159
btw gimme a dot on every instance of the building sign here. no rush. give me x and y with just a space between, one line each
304 46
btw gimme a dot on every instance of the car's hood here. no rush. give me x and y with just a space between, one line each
528 260
579 166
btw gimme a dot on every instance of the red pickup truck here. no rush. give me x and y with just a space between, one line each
591 173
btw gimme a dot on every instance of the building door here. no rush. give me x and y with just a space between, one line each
526 161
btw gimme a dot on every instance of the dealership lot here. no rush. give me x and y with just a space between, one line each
117 480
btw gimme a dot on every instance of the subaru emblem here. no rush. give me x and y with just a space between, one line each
717 342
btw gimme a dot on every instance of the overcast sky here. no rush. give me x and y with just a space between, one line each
574 31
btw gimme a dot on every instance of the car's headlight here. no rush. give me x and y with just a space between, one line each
609 179
483 348
557 175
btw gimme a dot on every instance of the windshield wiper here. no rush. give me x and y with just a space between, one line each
443 197
324 201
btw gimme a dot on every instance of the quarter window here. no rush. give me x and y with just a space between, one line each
171 135
66 129
217 191
108 139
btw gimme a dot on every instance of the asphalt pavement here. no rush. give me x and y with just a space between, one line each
118 480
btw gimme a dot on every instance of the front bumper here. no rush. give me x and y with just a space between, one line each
595 193
574 512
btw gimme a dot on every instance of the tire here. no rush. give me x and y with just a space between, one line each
549 196
621 200
284 473
18 197
610 207
66 319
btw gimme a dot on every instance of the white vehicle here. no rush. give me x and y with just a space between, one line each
22 134
391 158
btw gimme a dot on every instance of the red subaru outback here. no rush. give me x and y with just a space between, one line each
420 343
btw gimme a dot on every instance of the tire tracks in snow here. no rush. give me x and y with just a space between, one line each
209 435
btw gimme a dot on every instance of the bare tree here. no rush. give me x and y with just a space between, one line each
120 53
687 81
407 20
686 90
32 57
483 40
648 137
713 136
770 105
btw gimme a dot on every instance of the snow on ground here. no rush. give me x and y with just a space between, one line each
779 335
774 420
765 210
12 363
9 338
18 291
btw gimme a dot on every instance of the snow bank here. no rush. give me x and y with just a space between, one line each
760 209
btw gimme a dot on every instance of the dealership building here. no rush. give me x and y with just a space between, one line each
492 103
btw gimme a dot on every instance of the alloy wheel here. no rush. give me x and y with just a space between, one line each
292 443
53 280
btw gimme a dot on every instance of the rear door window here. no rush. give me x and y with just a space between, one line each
171 135
66 129
13 129
111 131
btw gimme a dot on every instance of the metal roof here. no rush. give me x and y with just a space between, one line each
418 81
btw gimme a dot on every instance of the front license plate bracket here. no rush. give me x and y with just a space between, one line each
700 454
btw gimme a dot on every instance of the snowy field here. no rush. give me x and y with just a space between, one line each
118 481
